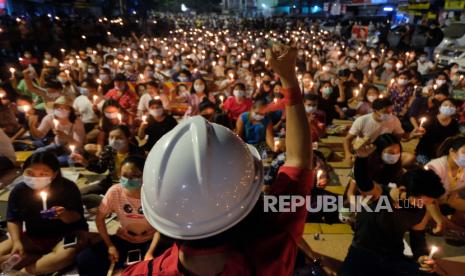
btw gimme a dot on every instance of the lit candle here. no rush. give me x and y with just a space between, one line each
422 121
62 50
120 117
26 108
275 100
83 37
221 98
434 249
231 76
2 94
318 176
55 123
156 97
369 72
276 144
99 81
12 71
435 86
356 91
72 148
94 98
43 195
461 77
144 118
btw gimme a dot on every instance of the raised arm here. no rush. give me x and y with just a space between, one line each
298 140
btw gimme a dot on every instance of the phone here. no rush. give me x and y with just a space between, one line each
134 256
69 241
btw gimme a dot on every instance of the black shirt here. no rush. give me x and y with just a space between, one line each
155 130
383 232
435 134
25 204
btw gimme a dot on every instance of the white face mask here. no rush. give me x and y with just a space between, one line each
199 87
37 183
310 109
61 113
258 117
238 93
117 144
84 91
112 115
399 66
440 82
460 161
402 82
156 112
371 98
374 64
447 110
23 108
390 159
384 117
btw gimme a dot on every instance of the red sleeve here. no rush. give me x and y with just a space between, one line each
292 181
227 104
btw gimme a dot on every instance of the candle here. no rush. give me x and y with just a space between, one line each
422 121
318 176
43 195
120 117
144 118
434 249
99 81
2 94
275 100
231 76
356 91
369 72
435 86
62 50
83 37
72 148
26 108
94 98
12 71
156 98
221 98
55 123
276 144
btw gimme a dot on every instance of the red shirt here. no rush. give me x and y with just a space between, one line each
128 100
235 109
269 250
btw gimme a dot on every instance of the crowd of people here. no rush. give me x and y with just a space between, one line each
111 100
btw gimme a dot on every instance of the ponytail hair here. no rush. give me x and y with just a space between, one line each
454 142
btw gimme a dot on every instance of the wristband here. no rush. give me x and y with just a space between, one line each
292 96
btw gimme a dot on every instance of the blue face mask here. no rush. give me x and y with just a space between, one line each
131 184
327 91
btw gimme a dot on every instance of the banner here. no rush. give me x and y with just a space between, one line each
454 5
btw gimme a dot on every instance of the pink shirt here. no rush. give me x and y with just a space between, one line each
134 227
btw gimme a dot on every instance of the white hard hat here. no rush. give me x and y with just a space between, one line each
200 179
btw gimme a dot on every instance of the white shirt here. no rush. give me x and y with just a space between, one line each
6 147
366 126
425 67
84 107
441 168
76 130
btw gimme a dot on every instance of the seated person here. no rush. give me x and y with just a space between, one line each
370 94
437 129
135 232
377 247
237 104
40 246
118 148
316 117
255 127
88 106
156 124
152 92
7 152
67 127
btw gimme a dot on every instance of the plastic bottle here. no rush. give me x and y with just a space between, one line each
10 263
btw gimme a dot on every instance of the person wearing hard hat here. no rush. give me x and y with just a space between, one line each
202 189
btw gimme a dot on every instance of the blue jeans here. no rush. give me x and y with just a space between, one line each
361 262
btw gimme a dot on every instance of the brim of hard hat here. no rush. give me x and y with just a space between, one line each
254 198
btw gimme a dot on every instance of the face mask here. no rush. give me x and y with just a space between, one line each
23 108
158 65
352 54
384 117
371 98
447 110
199 87
62 80
37 183
117 144
440 82
310 109
130 184
91 71
221 63
327 91
422 59
390 159
127 67
258 117
245 65
104 77
112 115
325 69
352 65
460 161
184 79
402 82
399 66
454 70
60 113
388 66
156 112
374 64
84 91
238 93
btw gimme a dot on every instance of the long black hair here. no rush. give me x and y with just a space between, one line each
45 158
385 173
453 142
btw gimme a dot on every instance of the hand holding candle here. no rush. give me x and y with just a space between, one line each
12 71
72 148
422 121
55 123
434 249
318 177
